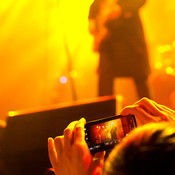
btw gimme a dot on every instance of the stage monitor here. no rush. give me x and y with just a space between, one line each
26 134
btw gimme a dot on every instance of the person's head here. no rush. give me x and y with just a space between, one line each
147 150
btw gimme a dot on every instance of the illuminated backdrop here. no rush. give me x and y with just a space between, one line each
46 50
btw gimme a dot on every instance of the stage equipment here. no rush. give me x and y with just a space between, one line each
25 138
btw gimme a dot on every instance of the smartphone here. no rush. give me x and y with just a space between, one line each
105 133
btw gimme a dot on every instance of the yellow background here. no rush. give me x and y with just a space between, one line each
43 40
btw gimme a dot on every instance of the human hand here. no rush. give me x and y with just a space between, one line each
69 154
147 111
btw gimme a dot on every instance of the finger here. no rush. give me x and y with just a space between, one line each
169 113
100 155
142 117
165 113
59 145
167 109
97 163
79 133
148 106
52 151
98 171
128 110
68 136
163 108
132 110
159 106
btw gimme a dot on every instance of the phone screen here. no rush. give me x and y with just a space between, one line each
105 133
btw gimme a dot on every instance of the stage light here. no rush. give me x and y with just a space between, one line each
169 70
63 80
12 113
161 49
158 65
167 47
112 123
164 48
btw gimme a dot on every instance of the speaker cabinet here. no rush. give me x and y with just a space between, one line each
25 138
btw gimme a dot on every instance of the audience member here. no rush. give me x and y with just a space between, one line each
149 149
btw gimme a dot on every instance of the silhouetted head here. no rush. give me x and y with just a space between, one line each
147 150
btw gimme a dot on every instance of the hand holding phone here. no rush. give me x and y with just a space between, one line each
105 133
69 154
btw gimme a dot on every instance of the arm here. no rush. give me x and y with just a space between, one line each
147 111
69 154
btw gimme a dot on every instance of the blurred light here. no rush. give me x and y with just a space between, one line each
73 74
167 47
112 123
161 49
158 65
12 113
169 70
173 44
63 79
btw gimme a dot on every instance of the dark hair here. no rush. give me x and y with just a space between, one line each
147 150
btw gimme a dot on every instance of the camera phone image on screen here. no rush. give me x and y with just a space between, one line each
104 134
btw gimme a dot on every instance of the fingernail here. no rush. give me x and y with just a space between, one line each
50 138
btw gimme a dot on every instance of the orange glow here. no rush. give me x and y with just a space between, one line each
42 40
173 44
